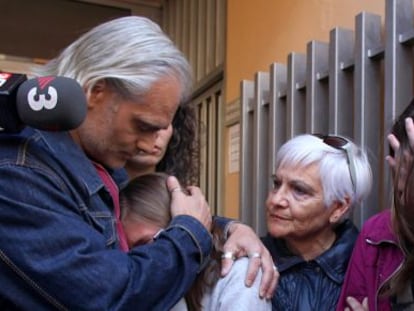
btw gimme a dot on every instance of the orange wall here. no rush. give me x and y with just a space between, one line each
262 32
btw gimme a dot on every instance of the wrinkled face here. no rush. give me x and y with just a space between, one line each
116 129
148 159
295 206
139 231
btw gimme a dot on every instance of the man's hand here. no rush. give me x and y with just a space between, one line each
189 201
243 242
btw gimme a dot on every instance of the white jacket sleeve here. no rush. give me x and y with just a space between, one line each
231 293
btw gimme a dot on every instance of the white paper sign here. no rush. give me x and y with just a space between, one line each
234 148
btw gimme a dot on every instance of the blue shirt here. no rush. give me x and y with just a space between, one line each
58 242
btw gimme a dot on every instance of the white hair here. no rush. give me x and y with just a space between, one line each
129 52
307 149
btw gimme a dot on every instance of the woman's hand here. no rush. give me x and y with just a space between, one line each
242 242
395 144
401 162
355 305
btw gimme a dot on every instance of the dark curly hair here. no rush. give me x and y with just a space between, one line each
181 158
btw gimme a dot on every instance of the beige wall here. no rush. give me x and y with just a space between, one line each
262 32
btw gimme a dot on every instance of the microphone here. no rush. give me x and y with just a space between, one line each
9 120
51 103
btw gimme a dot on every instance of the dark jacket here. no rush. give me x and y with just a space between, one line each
311 285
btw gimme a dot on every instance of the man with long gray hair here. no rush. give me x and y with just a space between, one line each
61 245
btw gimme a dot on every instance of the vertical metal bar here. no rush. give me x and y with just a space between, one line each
340 82
277 114
200 71
296 97
260 150
209 136
368 105
202 119
211 19
212 150
172 22
221 125
193 49
398 71
398 58
220 32
178 23
165 16
246 155
317 90
185 43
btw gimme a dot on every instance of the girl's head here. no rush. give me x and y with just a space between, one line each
145 207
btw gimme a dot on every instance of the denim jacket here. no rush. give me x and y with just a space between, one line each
58 243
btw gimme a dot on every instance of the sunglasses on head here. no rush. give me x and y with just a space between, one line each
342 143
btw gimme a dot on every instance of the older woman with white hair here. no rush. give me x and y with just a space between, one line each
317 181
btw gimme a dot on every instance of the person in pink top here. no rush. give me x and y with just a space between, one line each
380 275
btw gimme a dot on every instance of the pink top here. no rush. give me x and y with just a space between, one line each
114 191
